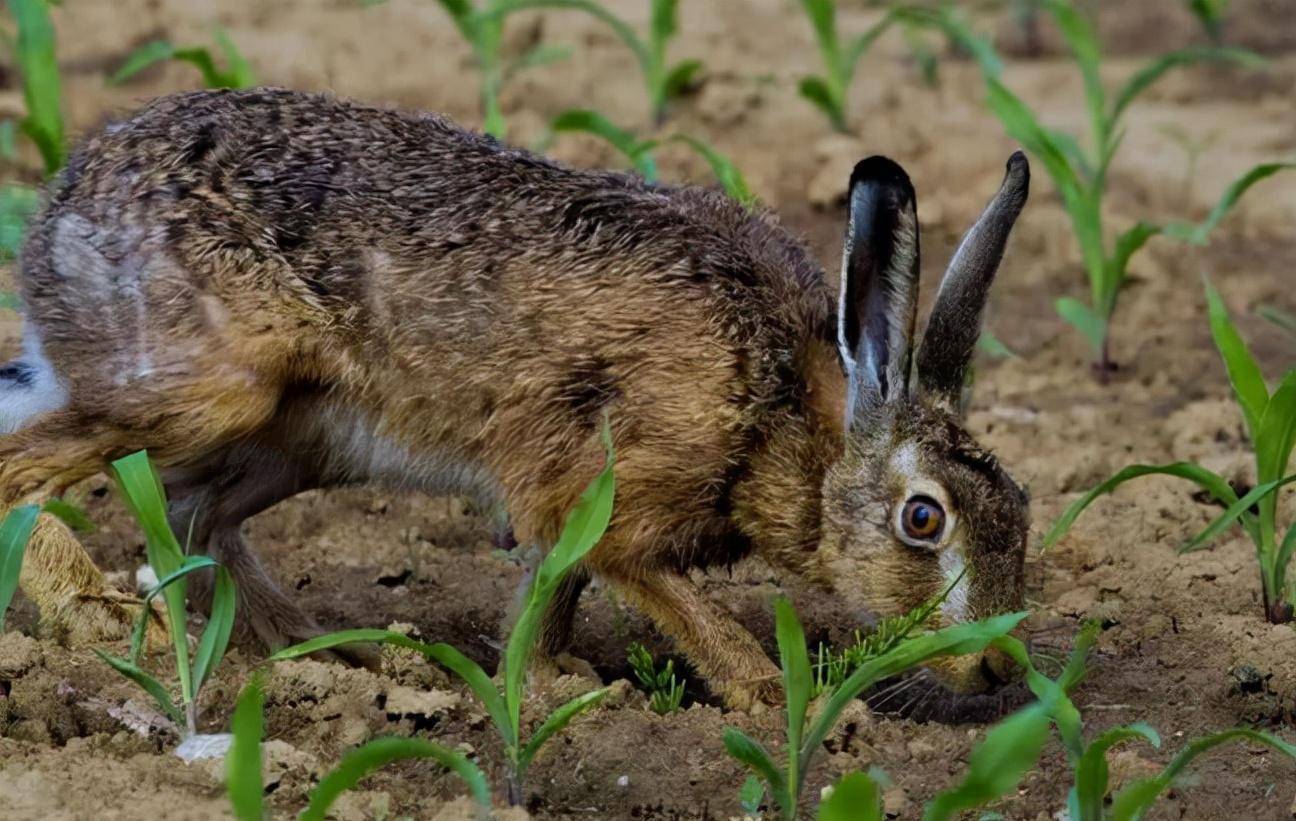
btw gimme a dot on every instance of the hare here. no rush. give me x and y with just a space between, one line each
273 291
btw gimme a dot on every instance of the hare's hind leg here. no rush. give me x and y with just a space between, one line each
64 447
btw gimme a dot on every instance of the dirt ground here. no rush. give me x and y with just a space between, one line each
1184 646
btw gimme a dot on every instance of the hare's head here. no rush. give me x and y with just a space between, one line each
914 506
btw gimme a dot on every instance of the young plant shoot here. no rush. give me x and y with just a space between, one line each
237 73
34 51
1270 420
665 690
581 531
1080 174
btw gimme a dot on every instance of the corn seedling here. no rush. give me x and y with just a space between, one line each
1193 148
581 531
1271 422
663 80
856 797
1210 13
142 490
665 690
243 761
805 735
34 51
237 72
640 153
482 27
1080 175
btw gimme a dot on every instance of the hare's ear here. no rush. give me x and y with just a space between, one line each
955 323
879 286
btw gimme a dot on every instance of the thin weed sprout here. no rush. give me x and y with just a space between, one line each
237 72
1081 175
1270 420
805 734
665 689
640 152
583 528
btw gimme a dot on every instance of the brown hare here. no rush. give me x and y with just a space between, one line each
273 291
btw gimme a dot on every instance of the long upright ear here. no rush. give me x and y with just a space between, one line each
879 285
955 323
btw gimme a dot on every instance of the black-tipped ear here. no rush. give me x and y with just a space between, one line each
879 284
955 323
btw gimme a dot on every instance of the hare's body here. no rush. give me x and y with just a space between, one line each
273 291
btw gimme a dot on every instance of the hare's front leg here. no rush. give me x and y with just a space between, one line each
724 651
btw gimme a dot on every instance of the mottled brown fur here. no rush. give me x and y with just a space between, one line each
273 291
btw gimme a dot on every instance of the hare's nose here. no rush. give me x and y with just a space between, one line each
998 669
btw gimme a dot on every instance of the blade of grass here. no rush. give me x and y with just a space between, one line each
42 89
1233 513
591 122
796 681
243 762
753 754
380 752
147 55
1091 773
215 638
1212 483
854 798
1154 70
558 719
1197 234
1243 371
730 177
150 685
15 533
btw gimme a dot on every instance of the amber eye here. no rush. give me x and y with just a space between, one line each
922 519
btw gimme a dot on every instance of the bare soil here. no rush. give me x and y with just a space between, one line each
1184 646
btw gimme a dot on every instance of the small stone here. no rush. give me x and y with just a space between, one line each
623 781
895 802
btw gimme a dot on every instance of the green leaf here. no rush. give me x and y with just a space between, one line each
243 762
796 679
860 46
663 25
558 719
641 50
1127 244
141 58
142 490
730 177
380 752
189 565
582 529
948 19
1285 551
1198 234
854 798
592 122
1088 322
1234 512
957 639
1137 797
1277 431
201 59
753 754
1244 374
751 794
1280 318
816 91
216 636
69 514
450 658
541 54
1091 771
993 347
997 764
42 89
150 685
1212 483
18 203
238 72
8 139
1083 42
680 78
15 533
1154 70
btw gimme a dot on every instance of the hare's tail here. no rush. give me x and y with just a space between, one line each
29 386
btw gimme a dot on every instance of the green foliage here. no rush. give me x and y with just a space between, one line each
1283 320
805 736
18 203
665 691
640 152
1210 13
1080 175
145 498
828 92
663 80
856 797
1270 420
237 73
243 761
380 752
582 530
751 794
831 669
42 91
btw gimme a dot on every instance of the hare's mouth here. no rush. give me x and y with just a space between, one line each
920 697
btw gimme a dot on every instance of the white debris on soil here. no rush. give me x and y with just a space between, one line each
197 747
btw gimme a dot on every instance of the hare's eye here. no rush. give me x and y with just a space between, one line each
922 519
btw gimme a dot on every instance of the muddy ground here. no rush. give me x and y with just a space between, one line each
1184 647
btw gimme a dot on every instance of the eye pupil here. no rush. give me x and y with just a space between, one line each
921 515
